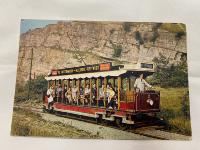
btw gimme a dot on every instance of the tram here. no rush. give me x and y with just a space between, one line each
127 103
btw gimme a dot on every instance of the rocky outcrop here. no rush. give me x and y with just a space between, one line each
68 44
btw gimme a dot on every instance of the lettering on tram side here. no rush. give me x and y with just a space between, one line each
84 69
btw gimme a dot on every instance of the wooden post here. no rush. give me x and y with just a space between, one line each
55 90
67 84
119 80
90 91
63 88
97 84
48 84
105 91
128 84
78 94
84 85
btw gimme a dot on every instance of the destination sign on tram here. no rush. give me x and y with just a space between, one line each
83 69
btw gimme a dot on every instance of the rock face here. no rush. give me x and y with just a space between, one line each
69 44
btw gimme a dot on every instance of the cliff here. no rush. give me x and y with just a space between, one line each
69 44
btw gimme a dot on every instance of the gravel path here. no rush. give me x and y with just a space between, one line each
102 131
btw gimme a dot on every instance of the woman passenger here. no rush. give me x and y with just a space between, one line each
68 95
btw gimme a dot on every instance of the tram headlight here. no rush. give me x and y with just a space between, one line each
151 102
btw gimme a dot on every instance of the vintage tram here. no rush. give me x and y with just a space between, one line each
129 103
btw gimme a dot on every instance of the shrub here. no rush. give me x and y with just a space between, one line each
170 75
127 26
138 38
37 86
117 50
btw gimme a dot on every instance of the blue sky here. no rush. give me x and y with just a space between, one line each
27 24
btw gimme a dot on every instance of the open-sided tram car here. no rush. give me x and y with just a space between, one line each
129 102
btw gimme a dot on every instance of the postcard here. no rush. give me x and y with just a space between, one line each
102 80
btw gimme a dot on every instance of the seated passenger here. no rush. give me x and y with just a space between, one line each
74 94
87 94
59 93
81 92
110 92
94 94
110 95
102 95
68 95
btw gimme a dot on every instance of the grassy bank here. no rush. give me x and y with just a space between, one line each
174 111
27 123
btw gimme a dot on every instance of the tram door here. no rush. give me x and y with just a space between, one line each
126 94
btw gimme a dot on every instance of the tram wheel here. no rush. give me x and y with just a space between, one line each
99 119
119 124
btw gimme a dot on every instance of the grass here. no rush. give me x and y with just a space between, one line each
174 111
174 27
26 123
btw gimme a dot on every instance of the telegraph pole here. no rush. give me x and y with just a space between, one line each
29 85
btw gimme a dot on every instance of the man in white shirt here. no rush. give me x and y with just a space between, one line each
50 97
140 84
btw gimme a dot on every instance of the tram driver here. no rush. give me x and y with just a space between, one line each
140 84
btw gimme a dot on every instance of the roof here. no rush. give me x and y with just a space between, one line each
88 75
113 73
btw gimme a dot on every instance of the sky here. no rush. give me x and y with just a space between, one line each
27 24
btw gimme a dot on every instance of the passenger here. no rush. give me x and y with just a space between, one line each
81 92
110 95
94 94
140 84
64 96
68 94
50 92
102 95
74 94
87 94
59 92
110 91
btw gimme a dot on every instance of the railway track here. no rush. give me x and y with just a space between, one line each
147 129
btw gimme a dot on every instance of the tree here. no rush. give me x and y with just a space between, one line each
170 75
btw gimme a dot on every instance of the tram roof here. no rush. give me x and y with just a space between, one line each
126 69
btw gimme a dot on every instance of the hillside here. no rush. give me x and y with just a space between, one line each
69 44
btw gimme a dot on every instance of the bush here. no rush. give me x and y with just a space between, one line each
170 75
37 86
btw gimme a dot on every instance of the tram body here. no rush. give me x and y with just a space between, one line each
129 103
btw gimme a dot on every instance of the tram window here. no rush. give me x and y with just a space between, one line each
76 82
132 82
82 83
73 82
100 82
124 84
50 83
116 83
70 83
